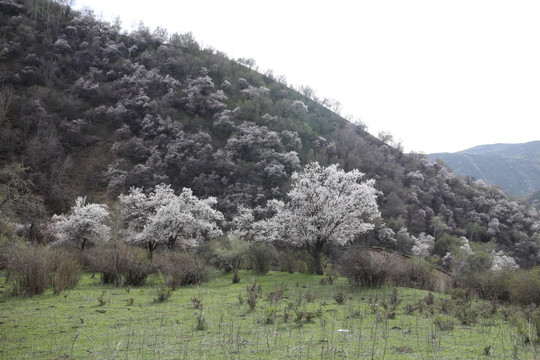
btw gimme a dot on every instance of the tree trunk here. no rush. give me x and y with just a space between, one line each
317 262
170 242
316 252
151 247
236 278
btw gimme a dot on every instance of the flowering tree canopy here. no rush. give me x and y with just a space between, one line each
84 225
162 218
423 245
501 261
326 205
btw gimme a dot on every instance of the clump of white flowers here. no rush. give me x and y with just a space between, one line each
501 261
423 244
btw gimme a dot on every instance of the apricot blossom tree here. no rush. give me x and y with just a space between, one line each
326 205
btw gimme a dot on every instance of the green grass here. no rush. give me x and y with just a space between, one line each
104 322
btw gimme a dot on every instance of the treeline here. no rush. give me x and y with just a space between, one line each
86 109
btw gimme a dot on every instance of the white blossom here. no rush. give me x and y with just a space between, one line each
298 107
423 245
501 261
162 218
326 205
85 224
253 92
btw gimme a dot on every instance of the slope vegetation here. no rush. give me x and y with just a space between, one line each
91 111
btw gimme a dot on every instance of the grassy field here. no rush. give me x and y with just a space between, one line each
294 317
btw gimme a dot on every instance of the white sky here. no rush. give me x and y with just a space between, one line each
439 75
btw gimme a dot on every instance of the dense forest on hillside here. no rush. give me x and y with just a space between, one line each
89 110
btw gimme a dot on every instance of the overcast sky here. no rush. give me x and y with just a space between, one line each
439 75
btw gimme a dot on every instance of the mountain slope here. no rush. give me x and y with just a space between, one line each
91 111
514 167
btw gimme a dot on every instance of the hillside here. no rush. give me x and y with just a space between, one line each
513 167
87 110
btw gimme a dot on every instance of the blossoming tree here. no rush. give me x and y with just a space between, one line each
326 205
85 224
163 218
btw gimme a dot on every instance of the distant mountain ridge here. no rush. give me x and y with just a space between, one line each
513 167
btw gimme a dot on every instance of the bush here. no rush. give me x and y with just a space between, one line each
181 269
414 273
66 270
340 298
163 291
133 265
102 259
444 322
201 323
361 268
260 257
525 287
29 269
295 260
466 313
491 285
122 265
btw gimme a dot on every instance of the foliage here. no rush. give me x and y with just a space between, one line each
423 245
163 291
260 257
295 260
18 201
232 254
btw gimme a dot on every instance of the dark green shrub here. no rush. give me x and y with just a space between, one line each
270 315
275 296
525 287
197 303
102 259
230 254
491 285
253 292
